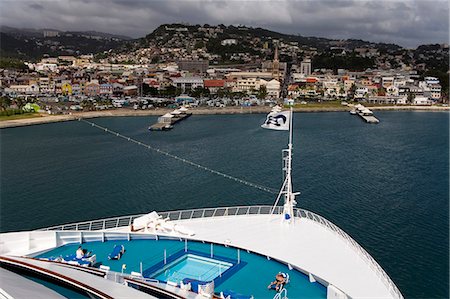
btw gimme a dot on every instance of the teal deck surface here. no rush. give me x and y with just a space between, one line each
250 279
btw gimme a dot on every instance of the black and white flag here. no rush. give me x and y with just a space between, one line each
277 121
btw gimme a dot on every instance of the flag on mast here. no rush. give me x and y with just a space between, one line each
277 121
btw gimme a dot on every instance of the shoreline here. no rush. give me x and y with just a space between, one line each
124 112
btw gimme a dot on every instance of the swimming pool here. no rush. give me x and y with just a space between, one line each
251 276
194 267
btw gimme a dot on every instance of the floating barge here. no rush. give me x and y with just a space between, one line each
167 121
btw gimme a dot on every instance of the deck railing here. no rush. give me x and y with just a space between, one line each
123 221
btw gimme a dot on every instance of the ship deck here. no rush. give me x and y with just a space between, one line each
305 244
311 245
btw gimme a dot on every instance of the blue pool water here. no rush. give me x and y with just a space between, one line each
251 279
192 266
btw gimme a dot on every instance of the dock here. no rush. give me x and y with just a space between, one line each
369 118
365 114
167 121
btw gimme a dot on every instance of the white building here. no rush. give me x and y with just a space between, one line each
24 89
298 77
387 81
273 88
435 91
46 85
422 101
361 92
392 90
305 67
52 67
431 80
228 42
187 83
248 84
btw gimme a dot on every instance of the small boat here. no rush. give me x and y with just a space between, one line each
353 112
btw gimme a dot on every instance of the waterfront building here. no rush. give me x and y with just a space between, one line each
248 75
422 101
249 85
117 88
130 90
23 89
392 90
188 83
435 91
106 89
213 85
92 89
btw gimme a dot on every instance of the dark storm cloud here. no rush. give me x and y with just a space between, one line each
408 22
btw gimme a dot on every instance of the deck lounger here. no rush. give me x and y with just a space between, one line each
104 268
143 221
166 226
234 295
85 261
136 275
117 252
183 230
195 284
186 287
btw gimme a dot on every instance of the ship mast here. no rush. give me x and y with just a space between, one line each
286 189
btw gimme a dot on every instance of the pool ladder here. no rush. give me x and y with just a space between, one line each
281 295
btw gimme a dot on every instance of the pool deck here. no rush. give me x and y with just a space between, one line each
304 244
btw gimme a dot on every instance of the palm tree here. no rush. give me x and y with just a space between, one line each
5 102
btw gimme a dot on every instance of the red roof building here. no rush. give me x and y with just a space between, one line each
213 85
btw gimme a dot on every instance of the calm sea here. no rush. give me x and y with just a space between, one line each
387 185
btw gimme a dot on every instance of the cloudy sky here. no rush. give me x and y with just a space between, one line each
405 22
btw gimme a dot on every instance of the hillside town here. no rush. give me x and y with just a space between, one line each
213 67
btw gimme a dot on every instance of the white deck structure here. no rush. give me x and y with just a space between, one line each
15 286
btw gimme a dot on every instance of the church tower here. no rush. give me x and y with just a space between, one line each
276 65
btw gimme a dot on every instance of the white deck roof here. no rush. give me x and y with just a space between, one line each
305 244
17 286
108 287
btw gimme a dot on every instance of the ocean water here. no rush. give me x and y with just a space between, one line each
387 185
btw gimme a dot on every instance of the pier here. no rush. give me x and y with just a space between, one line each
167 121
365 114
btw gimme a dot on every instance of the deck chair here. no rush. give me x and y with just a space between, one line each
117 252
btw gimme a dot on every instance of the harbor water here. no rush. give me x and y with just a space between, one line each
387 185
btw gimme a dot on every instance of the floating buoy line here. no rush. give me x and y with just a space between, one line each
147 146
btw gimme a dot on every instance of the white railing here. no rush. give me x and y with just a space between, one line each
281 295
115 222
395 292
